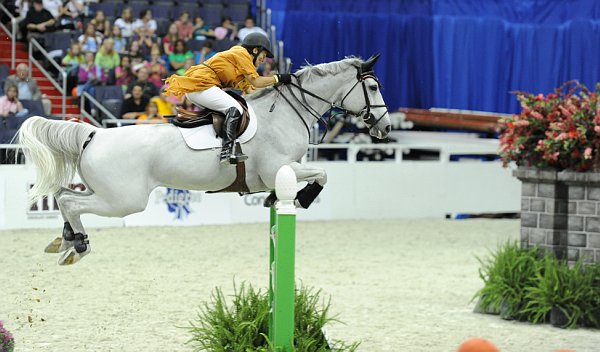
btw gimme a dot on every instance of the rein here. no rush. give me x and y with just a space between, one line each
370 121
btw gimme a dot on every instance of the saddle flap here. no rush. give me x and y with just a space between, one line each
190 119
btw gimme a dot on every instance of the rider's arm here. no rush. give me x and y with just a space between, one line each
261 82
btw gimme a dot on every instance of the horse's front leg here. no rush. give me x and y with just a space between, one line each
316 178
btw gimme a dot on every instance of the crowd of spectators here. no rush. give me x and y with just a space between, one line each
128 52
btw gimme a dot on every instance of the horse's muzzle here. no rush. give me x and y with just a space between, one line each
379 134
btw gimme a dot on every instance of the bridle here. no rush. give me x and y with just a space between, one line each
364 113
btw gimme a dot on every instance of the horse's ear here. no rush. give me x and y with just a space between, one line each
368 65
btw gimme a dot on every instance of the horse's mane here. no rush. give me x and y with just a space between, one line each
307 72
331 68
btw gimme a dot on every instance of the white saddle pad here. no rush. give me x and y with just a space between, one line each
204 137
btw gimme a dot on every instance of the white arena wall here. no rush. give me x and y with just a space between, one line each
355 190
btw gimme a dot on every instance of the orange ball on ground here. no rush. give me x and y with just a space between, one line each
477 345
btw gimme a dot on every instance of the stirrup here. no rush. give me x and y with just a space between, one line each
236 155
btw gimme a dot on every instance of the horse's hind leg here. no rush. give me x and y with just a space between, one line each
61 244
72 205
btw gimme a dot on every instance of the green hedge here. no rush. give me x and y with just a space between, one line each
242 325
521 284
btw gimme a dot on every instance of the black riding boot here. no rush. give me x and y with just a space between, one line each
229 154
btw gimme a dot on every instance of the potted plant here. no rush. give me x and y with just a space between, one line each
506 275
7 342
558 131
566 295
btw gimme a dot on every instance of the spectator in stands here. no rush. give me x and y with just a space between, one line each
71 63
90 75
126 23
250 27
189 62
164 105
27 88
151 115
101 22
227 30
123 73
145 26
37 22
22 7
10 104
90 40
107 59
74 58
201 30
135 53
179 55
169 40
157 66
205 53
71 14
135 105
120 42
53 6
185 28
148 89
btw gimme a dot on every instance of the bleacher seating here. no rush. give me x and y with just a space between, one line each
109 92
4 70
238 13
112 105
35 107
58 41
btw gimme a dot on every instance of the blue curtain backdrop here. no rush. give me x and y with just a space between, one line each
461 54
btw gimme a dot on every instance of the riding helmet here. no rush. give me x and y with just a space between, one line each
259 40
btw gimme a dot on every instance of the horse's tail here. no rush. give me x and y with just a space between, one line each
54 147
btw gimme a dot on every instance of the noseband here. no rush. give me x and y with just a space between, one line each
364 114
367 118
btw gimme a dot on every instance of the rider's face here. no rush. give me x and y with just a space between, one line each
260 58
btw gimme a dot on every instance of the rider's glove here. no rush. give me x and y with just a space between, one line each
284 78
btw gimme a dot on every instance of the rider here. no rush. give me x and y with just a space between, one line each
233 68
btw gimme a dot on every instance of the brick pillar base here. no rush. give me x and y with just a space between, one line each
544 211
584 214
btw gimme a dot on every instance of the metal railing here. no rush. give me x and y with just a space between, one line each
96 104
62 89
127 122
445 151
12 33
261 9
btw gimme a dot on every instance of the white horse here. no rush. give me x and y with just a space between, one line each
121 166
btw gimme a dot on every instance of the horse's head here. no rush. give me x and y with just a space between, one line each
362 98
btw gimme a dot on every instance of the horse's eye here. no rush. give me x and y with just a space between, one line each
373 88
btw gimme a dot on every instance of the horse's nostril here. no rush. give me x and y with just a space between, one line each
388 128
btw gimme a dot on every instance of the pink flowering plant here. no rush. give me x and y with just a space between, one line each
558 131
7 342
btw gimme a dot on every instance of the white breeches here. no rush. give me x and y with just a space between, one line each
215 99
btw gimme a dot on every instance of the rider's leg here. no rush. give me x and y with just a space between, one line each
216 99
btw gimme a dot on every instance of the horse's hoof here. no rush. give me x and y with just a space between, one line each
59 245
54 246
71 256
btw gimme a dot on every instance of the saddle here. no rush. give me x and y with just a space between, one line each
191 119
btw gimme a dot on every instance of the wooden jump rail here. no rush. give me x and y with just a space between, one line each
473 121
